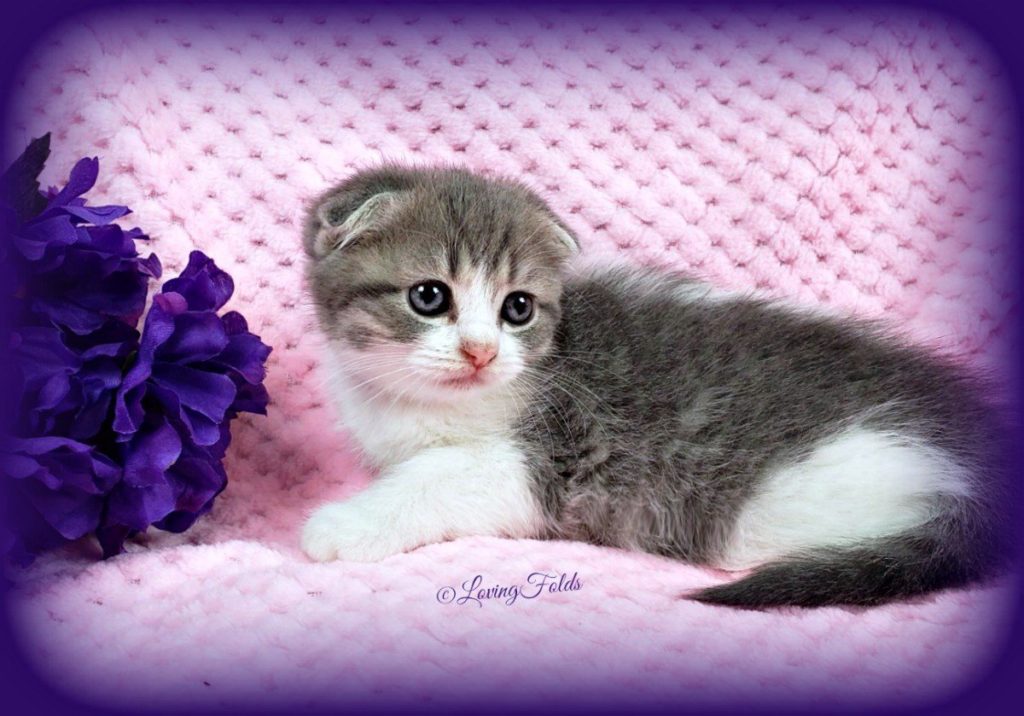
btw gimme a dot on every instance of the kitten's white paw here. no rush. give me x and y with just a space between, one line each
348 531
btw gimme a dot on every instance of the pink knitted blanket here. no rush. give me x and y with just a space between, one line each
857 161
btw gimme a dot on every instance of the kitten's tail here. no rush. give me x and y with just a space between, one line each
961 545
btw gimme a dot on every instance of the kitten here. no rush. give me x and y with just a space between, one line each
498 395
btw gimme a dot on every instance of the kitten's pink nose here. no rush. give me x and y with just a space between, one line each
479 354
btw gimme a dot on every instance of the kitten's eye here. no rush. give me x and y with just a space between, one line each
430 298
517 308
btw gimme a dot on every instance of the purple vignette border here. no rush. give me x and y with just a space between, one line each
997 23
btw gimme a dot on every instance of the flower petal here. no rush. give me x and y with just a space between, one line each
197 337
98 215
82 179
149 455
205 287
208 394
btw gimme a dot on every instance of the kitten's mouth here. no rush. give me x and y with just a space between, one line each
466 380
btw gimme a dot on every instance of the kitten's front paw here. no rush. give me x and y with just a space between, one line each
346 531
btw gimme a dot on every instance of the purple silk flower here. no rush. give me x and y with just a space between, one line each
108 432
194 372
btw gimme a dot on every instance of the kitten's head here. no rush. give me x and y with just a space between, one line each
436 284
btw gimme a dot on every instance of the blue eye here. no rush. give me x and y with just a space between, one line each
430 298
517 308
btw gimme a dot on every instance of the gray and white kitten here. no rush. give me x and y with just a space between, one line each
499 395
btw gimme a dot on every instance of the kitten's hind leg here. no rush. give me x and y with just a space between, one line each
859 485
440 493
866 518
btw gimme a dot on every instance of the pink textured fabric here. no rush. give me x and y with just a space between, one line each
851 160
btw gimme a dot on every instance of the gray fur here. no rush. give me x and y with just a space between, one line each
668 413
652 419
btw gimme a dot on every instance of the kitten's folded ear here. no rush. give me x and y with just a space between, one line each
572 244
339 218
559 230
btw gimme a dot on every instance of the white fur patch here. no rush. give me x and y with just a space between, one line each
391 422
440 493
478 311
858 485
